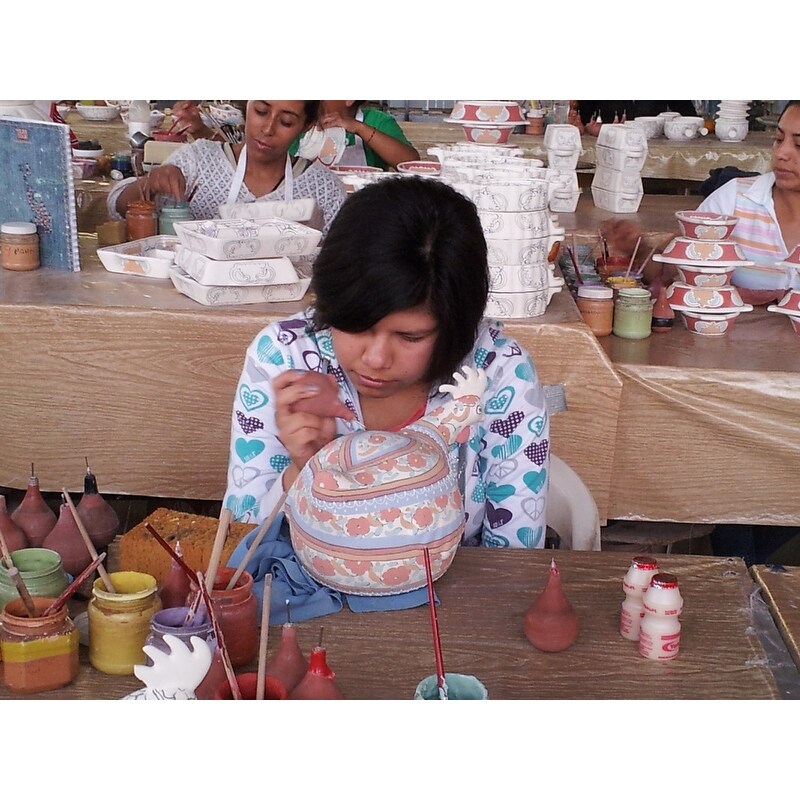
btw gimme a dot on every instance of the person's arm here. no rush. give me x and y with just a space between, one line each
722 200
515 452
326 189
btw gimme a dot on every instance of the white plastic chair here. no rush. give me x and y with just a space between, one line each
571 509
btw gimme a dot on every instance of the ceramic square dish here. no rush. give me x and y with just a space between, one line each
245 272
230 239
618 202
149 258
236 295
613 180
619 159
300 209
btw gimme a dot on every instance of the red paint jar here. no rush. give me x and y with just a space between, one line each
141 219
237 614
39 653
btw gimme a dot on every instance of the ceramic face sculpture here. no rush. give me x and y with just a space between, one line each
362 510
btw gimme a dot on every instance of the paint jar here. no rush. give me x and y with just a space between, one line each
173 211
121 166
19 246
634 584
141 219
113 232
236 610
39 653
119 621
596 304
660 631
40 568
632 314
459 687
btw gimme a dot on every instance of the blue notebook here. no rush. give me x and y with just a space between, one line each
37 186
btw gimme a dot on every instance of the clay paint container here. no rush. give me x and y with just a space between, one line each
248 683
19 246
119 622
141 219
633 314
596 304
39 653
237 615
459 687
41 570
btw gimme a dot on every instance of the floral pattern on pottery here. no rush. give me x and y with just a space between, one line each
363 508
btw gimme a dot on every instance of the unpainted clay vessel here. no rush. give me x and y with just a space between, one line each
326 402
288 665
550 622
14 535
66 540
99 518
319 682
175 589
33 514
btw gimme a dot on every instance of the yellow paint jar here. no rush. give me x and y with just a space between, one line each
119 622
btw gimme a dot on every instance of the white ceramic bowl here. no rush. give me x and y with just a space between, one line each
150 257
618 202
613 158
522 195
623 137
728 129
652 126
95 154
523 277
232 239
427 169
565 201
518 305
520 225
614 180
505 252
98 113
682 128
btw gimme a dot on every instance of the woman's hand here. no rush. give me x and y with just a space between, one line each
188 120
301 432
166 179
337 120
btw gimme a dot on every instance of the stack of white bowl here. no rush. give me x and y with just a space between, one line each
563 145
790 302
620 154
705 260
730 123
237 261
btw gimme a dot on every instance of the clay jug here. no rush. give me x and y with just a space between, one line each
318 683
66 540
288 665
12 533
550 622
99 518
33 515
663 315
175 588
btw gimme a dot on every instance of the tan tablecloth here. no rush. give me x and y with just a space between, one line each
780 588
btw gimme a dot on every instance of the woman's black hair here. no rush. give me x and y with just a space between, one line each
311 108
398 244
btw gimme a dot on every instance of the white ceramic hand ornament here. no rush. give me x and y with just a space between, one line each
174 675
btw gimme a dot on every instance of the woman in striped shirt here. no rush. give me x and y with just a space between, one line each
768 208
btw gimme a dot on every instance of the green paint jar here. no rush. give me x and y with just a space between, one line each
171 212
40 568
633 313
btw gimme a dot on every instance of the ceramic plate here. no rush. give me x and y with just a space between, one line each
149 258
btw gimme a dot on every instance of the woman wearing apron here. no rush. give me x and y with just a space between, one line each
208 173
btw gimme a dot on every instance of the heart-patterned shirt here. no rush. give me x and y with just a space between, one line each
505 461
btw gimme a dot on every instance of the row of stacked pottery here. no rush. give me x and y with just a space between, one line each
705 259
512 195
730 122
652 127
620 153
790 302
238 261
563 145
487 122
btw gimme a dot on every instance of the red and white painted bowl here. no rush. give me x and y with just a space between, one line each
789 304
709 324
682 296
721 253
706 225
488 134
705 276
491 111
429 169
793 258
353 169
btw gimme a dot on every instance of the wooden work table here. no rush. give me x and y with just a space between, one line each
383 655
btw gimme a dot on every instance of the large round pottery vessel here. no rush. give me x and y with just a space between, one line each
364 508
705 224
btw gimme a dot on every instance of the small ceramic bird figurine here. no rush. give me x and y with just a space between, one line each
174 675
